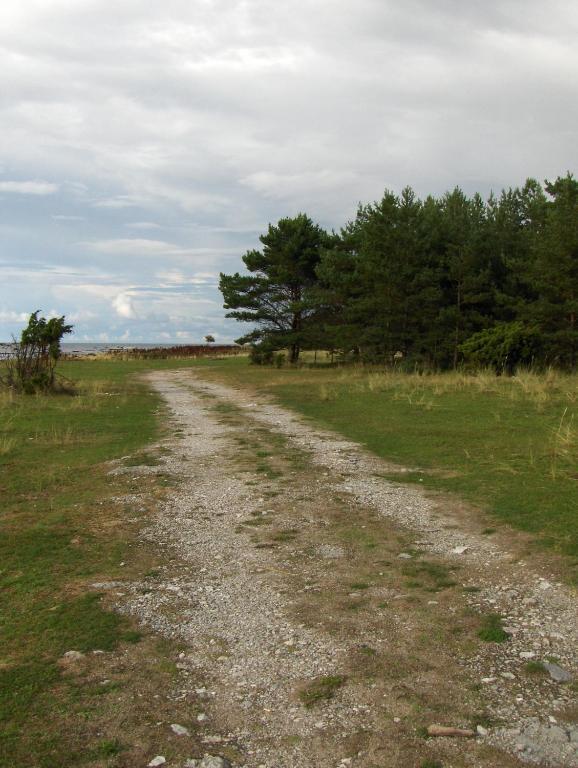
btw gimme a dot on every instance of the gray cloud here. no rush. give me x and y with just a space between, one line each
210 119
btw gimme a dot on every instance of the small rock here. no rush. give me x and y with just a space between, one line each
201 717
214 761
73 656
405 556
156 761
459 550
397 719
180 730
481 730
508 675
527 655
557 673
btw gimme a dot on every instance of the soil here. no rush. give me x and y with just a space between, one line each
326 616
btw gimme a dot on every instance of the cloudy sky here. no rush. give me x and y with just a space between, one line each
145 146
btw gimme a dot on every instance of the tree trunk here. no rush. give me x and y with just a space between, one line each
458 323
295 347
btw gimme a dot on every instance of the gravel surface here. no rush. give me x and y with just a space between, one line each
228 603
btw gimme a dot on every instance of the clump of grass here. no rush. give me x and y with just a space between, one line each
359 585
534 668
431 764
320 689
7 445
285 535
435 576
109 748
492 630
564 443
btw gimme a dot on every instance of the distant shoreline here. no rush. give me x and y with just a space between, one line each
95 349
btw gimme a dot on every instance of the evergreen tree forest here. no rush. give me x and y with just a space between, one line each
437 283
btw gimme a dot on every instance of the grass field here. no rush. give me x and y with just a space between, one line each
56 506
510 445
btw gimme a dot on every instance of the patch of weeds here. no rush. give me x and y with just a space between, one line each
429 763
256 521
436 575
142 460
102 690
320 689
491 630
225 408
109 748
534 668
132 636
471 590
489 531
485 719
421 732
360 585
288 535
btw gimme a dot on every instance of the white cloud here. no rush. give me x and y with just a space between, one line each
29 187
142 225
123 306
133 246
65 217
116 202
9 316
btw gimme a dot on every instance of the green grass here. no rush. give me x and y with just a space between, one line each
491 630
509 445
52 479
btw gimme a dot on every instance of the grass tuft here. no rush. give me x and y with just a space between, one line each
491 630
320 689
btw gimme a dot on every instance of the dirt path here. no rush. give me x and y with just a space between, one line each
328 616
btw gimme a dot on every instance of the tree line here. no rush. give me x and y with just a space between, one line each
436 283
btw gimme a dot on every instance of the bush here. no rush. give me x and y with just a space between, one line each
504 347
32 365
261 355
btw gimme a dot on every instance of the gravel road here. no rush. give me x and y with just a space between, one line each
256 558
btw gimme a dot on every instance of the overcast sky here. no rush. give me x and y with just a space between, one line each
145 146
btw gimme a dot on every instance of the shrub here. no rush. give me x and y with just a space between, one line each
32 365
261 355
504 347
